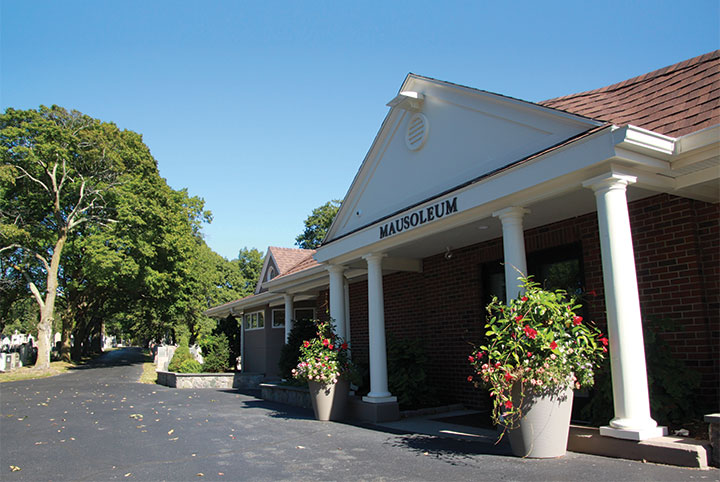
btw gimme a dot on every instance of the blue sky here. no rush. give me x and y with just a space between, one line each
266 109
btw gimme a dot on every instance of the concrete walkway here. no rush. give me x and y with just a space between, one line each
97 423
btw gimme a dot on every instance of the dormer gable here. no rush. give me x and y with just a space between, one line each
281 261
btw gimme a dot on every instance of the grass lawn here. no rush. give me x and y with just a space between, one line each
149 375
30 373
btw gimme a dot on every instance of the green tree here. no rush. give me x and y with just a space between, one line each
249 263
317 225
56 167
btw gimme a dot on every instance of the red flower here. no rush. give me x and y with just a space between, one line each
344 346
306 344
604 341
524 298
326 342
331 347
529 355
518 318
529 332
471 358
508 404
470 378
508 377
592 293
553 345
577 320
497 364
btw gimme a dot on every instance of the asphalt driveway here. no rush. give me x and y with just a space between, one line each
98 423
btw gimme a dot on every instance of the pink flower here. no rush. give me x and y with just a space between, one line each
471 358
529 355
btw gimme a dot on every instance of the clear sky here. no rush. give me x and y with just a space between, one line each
266 109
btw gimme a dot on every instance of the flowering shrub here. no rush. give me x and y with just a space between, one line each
537 341
324 359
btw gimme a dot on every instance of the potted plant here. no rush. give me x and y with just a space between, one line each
538 349
325 364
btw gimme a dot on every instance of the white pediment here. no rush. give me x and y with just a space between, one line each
451 136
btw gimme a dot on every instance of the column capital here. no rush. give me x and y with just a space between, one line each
374 257
288 296
336 268
609 181
513 212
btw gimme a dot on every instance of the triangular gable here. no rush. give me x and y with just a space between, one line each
281 261
439 135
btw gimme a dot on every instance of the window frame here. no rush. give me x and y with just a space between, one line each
259 318
273 323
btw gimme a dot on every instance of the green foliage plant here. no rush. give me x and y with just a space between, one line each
290 352
671 383
216 353
181 355
190 366
536 341
324 358
407 374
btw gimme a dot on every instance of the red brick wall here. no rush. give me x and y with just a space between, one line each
677 250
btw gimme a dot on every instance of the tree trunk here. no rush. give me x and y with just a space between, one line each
47 311
65 342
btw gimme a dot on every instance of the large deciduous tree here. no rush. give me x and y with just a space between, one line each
317 225
56 166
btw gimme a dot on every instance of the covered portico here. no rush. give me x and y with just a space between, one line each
598 170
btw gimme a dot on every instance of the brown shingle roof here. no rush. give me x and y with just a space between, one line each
674 101
288 258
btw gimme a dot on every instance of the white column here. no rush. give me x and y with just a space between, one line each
242 343
346 293
337 298
288 315
513 248
379 392
627 352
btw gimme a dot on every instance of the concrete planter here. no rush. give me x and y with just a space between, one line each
208 380
543 430
329 401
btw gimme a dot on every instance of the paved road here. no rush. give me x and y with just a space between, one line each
97 423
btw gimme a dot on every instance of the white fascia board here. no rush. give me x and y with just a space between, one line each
412 80
286 283
540 178
698 140
237 307
644 141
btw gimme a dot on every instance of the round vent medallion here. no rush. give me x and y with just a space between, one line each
417 132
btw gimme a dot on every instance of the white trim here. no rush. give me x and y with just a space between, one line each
257 328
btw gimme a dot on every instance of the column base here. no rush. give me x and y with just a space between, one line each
633 434
382 399
374 412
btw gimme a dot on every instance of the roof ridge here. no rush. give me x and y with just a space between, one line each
685 64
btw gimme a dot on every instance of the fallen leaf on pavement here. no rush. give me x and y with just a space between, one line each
171 431
14 468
